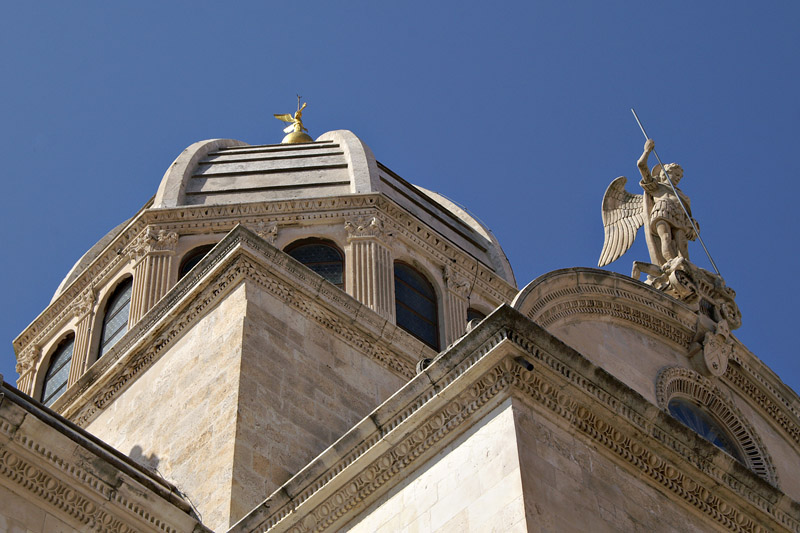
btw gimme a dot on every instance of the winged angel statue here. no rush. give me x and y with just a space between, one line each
668 229
295 122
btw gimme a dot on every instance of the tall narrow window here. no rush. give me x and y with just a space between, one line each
415 305
193 257
115 321
323 257
55 380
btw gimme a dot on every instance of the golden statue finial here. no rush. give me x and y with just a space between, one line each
295 129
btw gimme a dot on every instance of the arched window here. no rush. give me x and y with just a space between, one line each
193 257
415 305
474 314
696 418
55 380
115 320
696 402
323 257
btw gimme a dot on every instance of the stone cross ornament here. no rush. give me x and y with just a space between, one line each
665 212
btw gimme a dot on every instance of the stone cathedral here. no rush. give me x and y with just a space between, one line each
292 337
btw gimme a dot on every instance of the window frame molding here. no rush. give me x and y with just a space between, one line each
679 382
44 364
100 315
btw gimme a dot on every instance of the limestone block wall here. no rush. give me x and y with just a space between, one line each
180 415
301 387
569 485
474 484
628 354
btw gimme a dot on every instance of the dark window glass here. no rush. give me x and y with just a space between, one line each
415 305
115 321
193 257
474 314
55 380
320 256
694 417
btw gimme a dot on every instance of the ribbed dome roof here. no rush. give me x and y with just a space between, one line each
227 171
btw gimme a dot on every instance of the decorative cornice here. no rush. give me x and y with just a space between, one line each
789 424
241 256
649 442
149 224
70 488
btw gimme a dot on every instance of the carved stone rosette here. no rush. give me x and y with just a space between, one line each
370 265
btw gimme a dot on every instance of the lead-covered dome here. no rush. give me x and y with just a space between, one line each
226 171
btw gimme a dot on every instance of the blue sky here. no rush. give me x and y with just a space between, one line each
519 111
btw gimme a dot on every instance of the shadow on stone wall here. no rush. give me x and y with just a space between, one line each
150 462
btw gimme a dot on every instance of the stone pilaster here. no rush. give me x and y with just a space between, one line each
369 265
153 252
80 351
26 365
455 304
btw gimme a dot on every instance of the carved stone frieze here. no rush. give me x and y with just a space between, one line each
741 380
586 410
33 467
134 242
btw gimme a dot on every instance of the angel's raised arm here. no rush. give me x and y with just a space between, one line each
649 146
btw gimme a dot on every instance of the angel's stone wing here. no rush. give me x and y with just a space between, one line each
623 215
286 117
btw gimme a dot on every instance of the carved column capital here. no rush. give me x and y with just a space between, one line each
365 227
455 282
152 240
267 231
84 303
27 358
